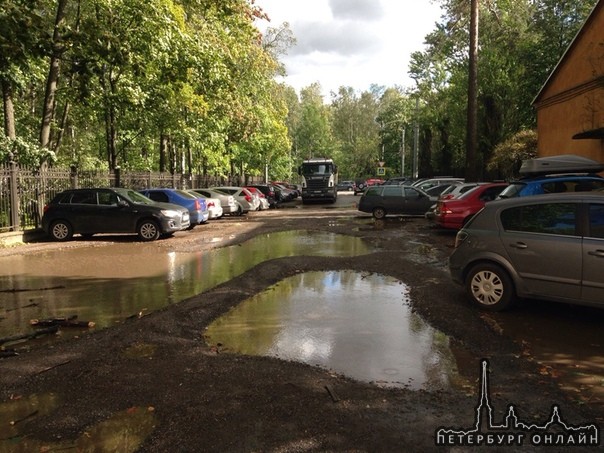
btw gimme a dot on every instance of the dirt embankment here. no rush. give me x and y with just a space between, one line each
193 397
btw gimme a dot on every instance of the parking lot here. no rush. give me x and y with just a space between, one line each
540 353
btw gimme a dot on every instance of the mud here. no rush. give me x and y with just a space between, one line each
198 398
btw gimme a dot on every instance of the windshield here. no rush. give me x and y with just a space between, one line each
135 197
317 169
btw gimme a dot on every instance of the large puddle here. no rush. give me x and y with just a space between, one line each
359 325
109 284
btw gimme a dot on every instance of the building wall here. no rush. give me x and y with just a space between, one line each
572 101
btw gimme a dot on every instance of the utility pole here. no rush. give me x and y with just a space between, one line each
416 141
403 150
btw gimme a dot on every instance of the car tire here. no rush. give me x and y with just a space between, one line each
379 213
148 230
61 230
490 287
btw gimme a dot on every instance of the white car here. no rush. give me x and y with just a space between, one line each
214 205
245 198
228 202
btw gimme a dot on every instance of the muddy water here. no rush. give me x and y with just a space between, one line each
355 324
124 431
108 284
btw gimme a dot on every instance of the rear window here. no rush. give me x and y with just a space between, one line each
550 218
513 190
374 191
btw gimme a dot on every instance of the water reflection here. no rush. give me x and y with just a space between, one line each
355 324
108 284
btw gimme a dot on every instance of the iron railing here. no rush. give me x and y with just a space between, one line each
24 192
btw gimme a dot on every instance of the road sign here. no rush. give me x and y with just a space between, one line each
381 171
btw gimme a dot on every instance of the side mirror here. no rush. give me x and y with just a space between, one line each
300 170
335 169
122 204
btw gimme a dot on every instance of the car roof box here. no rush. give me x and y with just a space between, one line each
565 163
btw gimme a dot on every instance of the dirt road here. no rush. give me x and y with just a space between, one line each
153 384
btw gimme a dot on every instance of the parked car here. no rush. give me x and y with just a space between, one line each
198 210
398 181
246 200
456 212
385 200
362 184
556 174
425 184
229 204
100 210
269 193
286 193
456 190
346 185
214 205
546 247
453 191
437 190
262 201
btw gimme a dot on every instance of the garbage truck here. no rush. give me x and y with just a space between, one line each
319 180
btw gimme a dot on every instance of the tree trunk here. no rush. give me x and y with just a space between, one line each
472 114
9 110
163 152
53 77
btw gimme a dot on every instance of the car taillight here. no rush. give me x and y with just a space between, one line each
248 198
444 209
210 204
46 208
197 205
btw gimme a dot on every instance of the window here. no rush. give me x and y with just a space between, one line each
373 192
84 198
107 198
596 221
392 191
411 193
159 196
553 218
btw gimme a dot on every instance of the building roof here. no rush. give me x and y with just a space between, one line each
570 48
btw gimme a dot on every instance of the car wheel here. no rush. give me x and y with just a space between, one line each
148 230
490 287
61 230
379 213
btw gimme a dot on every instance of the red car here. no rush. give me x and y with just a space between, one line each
454 213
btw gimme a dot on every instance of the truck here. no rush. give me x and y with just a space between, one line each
319 180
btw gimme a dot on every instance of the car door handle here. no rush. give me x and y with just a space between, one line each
519 245
599 253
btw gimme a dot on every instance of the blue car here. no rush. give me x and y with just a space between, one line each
556 174
198 210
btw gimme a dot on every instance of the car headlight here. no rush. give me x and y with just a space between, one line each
170 213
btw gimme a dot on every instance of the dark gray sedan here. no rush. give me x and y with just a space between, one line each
385 200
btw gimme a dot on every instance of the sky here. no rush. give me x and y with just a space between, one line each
352 43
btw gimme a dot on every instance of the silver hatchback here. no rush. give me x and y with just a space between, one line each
547 247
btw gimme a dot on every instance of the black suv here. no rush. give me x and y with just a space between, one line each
92 211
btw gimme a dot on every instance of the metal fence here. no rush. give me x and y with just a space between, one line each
24 192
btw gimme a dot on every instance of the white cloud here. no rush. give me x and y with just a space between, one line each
352 43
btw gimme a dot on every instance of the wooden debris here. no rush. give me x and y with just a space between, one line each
331 392
61 322
29 336
14 422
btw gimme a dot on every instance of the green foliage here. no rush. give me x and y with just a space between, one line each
24 152
508 155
